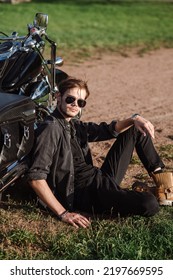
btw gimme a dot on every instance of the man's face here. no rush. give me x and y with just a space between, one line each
69 104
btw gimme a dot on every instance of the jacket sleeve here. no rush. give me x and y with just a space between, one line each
43 151
98 132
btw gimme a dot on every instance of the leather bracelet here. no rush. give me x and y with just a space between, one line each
63 214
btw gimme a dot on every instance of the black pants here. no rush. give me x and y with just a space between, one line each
105 194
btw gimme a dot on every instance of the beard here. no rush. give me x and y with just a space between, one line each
67 114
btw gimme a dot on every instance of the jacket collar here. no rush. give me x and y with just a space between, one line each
69 126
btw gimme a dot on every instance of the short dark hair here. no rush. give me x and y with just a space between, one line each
72 82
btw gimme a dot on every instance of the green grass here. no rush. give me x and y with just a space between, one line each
84 27
27 232
133 238
166 151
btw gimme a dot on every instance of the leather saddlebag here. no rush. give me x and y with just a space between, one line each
17 116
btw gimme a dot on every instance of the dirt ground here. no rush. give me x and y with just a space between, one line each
123 85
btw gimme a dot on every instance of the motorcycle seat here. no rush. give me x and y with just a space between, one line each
11 105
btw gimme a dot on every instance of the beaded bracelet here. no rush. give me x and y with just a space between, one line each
62 215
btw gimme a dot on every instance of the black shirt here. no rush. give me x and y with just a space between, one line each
83 173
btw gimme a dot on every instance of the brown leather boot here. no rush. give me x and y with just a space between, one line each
164 187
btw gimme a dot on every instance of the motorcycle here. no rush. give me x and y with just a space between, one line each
28 83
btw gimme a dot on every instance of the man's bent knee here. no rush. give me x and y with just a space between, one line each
150 205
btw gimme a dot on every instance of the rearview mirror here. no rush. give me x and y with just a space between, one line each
41 20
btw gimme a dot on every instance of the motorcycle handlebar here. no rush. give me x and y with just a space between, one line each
12 38
37 38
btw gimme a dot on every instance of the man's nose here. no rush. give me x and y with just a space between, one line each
75 103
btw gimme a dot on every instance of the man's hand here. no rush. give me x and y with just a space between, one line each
144 126
76 220
45 194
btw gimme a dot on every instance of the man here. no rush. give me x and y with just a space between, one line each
62 173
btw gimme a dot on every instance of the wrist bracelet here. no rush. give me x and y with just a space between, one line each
63 214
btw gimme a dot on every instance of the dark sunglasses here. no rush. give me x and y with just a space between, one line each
70 99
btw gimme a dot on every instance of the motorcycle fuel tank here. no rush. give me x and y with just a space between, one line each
18 68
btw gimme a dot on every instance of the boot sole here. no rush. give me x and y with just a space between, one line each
166 202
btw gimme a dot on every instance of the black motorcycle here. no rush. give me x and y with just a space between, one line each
28 83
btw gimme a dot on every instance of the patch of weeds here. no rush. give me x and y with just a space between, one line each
135 160
21 237
166 151
21 244
35 215
161 237
141 176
